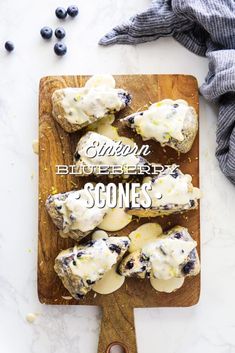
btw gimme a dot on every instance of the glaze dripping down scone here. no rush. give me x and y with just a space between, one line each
171 192
77 107
70 213
172 255
171 123
81 267
91 143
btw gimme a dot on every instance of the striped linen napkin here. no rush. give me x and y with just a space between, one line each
207 28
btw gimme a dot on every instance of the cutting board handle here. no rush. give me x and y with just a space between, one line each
124 347
117 328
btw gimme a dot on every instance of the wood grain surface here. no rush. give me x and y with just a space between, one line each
57 147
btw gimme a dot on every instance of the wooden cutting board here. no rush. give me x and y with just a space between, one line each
57 147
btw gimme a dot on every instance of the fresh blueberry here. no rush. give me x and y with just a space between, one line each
60 49
72 11
46 32
61 13
9 46
60 33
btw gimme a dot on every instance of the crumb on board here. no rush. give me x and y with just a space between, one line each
66 297
35 146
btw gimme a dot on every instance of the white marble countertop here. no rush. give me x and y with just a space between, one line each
208 327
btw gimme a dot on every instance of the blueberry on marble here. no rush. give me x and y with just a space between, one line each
60 33
60 49
72 11
61 13
9 46
46 32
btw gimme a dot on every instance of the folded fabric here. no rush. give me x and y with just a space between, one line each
207 28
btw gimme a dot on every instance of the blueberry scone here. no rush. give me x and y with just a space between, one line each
74 108
171 123
171 192
95 150
172 255
81 267
70 213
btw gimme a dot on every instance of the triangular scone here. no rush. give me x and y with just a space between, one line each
169 122
70 213
77 107
79 268
173 254
171 192
87 155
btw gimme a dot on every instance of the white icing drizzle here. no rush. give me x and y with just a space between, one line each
96 99
144 234
163 120
94 139
110 282
166 255
167 189
96 260
115 219
76 214
104 80
104 127
167 286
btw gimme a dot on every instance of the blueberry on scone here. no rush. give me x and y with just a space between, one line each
79 268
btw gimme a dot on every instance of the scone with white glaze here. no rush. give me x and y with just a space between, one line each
70 213
172 255
171 192
81 267
95 150
77 107
169 122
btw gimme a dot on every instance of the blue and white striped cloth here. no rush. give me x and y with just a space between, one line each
207 28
